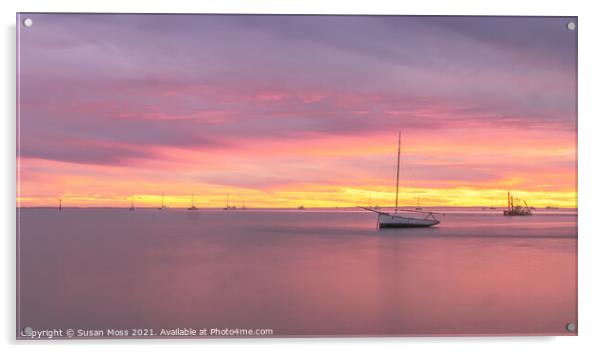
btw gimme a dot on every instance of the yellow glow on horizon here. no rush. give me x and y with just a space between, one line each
322 171
316 197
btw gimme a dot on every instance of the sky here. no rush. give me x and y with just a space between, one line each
282 111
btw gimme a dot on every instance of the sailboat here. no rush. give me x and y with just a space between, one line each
192 206
515 208
418 208
162 204
228 207
132 208
403 218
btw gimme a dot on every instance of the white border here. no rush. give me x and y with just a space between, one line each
590 177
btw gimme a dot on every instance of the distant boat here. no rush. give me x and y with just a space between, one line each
228 207
515 208
403 218
192 206
370 204
132 208
60 205
162 204
551 208
301 207
418 208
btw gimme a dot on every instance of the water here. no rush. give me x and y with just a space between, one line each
299 272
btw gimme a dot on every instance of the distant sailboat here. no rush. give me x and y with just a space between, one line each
228 207
132 208
162 204
192 206
418 207
514 207
60 205
405 218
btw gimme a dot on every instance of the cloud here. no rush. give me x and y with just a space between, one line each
133 90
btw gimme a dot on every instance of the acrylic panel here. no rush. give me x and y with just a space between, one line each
235 176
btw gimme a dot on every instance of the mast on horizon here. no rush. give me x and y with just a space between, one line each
397 183
162 203
132 204
60 205
228 207
192 206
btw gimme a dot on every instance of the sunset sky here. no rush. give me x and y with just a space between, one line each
280 111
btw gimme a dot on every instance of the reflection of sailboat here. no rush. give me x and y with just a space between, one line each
192 206
162 204
132 208
405 218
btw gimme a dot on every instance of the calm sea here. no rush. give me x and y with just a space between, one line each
301 272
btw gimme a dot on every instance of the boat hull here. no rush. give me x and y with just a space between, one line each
396 221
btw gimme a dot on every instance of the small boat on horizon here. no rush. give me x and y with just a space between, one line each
192 206
162 204
515 208
401 218
418 207
228 206
132 208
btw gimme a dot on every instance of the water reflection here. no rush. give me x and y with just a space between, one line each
299 273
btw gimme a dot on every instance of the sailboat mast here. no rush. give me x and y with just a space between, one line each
162 196
397 183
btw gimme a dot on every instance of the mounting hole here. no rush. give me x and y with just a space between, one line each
571 327
27 330
28 22
571 26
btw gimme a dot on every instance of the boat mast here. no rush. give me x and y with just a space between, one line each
397 184
162 196
192 201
